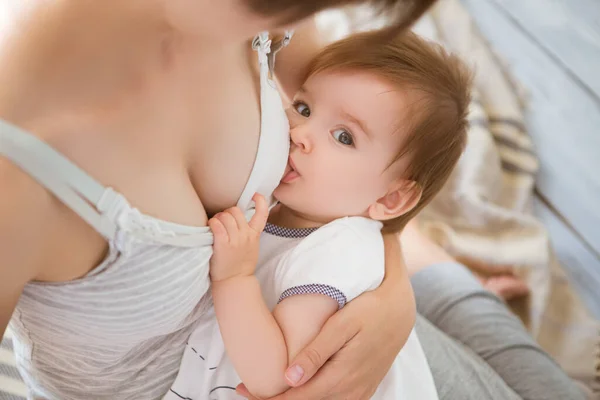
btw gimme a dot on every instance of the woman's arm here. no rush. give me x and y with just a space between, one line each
370 332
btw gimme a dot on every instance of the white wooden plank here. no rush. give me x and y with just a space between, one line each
562 119
569 30
580 263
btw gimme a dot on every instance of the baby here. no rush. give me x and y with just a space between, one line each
375 130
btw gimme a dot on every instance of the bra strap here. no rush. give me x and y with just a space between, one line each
73 186
276 47
262 45
268 50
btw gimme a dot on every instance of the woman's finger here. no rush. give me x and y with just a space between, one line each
259 219
333 336
243 391
319 387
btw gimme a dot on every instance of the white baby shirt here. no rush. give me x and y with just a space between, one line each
341 260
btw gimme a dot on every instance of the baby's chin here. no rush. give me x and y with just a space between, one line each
287 195
296 200
279 194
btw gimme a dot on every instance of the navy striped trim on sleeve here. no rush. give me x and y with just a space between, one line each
316 288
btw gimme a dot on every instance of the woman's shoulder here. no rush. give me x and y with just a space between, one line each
40 239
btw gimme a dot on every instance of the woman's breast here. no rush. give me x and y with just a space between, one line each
228 115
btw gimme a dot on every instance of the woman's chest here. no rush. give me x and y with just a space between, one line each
227 113
193 135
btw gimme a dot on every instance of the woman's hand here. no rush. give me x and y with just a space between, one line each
236 241
357 346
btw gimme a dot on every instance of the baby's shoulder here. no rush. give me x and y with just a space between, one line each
346 255
346 241
347 231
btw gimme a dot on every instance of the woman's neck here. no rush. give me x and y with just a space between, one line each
288 218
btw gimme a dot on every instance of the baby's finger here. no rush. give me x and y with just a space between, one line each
239 217
259 219
230 225
219 231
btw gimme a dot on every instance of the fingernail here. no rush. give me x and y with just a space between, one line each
294 374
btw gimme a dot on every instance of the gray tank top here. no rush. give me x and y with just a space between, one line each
120 331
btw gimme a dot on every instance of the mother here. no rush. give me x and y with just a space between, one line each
161 104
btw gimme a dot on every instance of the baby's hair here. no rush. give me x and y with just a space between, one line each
439 82
400 13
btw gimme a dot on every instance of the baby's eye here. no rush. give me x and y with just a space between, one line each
343 137
302 109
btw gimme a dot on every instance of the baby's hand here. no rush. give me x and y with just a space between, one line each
236 241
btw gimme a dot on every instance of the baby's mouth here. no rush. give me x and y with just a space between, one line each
290 173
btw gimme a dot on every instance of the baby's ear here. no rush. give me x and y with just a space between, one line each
402 197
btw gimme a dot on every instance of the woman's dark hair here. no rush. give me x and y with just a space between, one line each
402 13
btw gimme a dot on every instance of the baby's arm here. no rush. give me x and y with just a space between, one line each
330 267
258 344
253 340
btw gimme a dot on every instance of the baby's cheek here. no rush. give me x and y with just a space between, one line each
343 195
361 192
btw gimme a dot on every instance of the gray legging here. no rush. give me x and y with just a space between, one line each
477 349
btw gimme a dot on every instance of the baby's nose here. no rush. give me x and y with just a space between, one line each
300 138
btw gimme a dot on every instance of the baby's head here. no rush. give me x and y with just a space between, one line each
375 130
